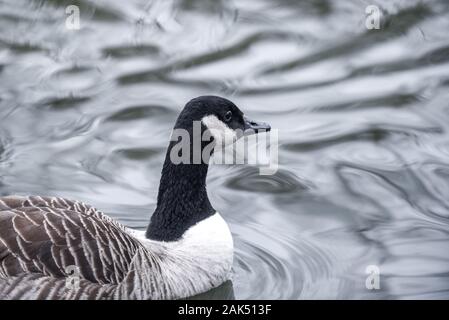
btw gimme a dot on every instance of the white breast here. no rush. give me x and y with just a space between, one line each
211 233
199 261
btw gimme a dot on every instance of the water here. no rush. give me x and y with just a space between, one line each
363 118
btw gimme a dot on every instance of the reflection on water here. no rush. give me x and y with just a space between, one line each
363 118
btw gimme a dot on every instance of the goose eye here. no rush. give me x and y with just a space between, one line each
228 116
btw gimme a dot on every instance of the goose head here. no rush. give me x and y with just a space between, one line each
220 118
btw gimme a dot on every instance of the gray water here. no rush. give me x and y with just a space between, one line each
363 119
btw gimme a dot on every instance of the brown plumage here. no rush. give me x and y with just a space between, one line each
42 237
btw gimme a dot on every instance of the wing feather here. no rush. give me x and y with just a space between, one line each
45 235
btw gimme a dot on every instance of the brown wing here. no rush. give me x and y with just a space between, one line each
48 236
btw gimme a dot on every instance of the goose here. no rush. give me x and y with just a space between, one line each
55 248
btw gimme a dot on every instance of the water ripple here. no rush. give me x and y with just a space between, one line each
275 266
281 182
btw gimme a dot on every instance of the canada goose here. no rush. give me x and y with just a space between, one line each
54 248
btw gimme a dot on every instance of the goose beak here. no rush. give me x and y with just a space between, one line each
252 127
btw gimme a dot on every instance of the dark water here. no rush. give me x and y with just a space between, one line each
363 118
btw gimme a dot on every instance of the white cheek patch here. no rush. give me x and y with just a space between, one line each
223 135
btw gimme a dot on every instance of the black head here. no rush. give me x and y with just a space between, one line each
221 116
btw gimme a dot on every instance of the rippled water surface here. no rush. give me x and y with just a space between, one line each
363 118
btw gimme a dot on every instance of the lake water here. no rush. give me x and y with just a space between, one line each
363 120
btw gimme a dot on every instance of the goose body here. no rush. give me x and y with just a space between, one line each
55 248
47 236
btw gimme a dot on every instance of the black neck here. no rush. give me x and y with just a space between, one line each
182 200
